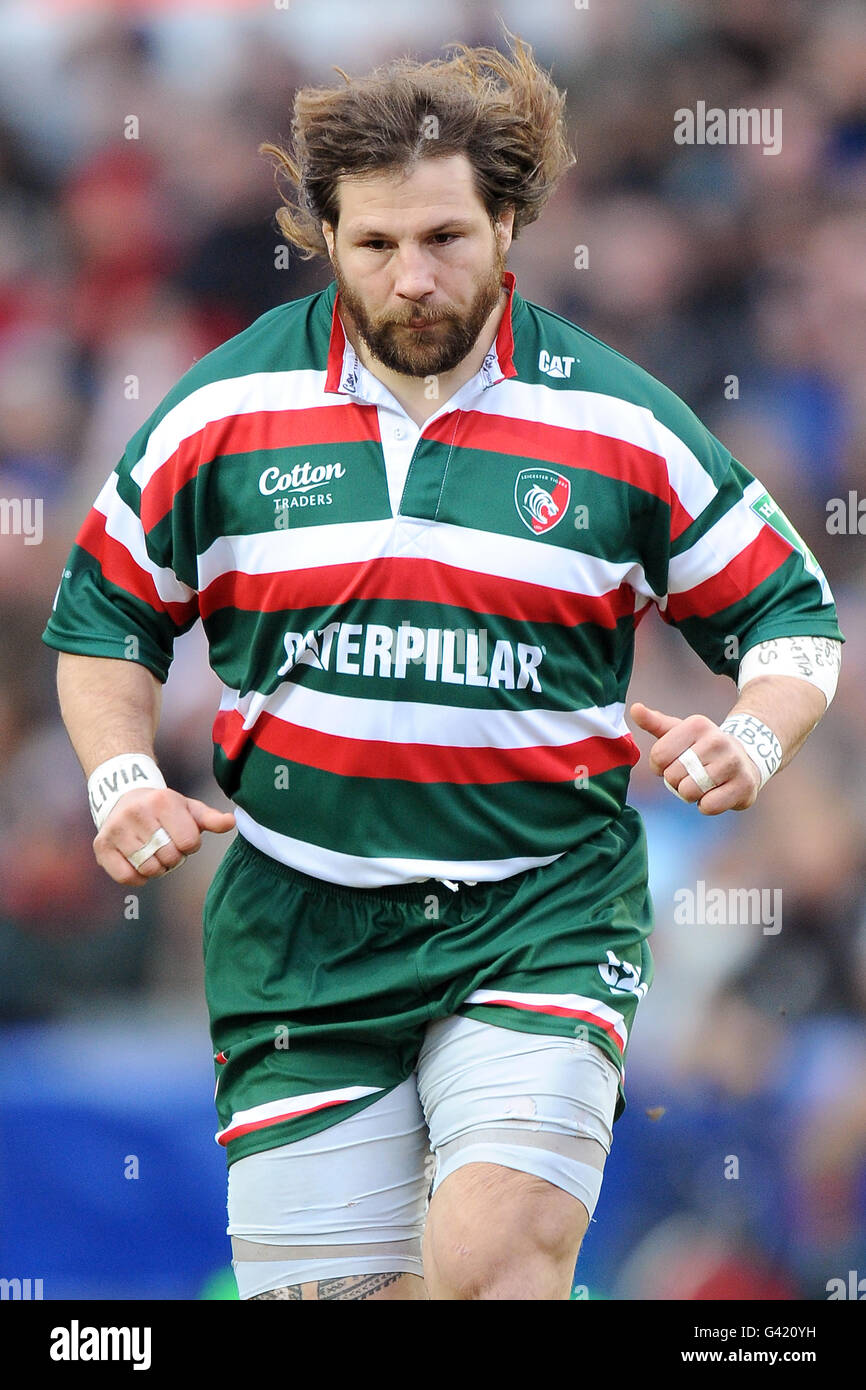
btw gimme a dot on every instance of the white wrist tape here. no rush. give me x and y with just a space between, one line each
760 743
128 772
814 659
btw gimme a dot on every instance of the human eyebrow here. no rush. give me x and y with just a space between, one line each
455 226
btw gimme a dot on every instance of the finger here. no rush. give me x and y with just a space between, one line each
687 789
698 733
672 786
182 826
131 839
738 794
694 776
652 720
735 793
721 799
118 867
208 818
721 764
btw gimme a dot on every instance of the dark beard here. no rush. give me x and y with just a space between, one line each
425 352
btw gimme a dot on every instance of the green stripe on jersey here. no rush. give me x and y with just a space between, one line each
500 820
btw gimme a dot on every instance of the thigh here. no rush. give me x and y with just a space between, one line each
347 1201
535 1104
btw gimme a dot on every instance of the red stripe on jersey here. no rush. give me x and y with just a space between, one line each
351 423
564 448
420 762
120 568
392 577
560 1011
740 576
235 1131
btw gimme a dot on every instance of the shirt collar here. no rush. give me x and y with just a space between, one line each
344 370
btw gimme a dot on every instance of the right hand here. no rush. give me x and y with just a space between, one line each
133 821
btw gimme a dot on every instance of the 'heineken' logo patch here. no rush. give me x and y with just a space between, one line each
541 498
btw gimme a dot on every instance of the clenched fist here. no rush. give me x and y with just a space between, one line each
724 758
135 819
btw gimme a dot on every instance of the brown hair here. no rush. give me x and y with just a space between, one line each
503 112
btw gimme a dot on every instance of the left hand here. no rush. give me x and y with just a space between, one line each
724 758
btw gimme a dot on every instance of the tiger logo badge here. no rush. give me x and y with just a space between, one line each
541 498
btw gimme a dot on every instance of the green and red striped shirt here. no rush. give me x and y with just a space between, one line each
425 651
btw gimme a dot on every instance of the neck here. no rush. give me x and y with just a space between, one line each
413 392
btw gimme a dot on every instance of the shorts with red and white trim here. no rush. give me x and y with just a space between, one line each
320 996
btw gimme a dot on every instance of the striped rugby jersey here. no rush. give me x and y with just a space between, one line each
425 655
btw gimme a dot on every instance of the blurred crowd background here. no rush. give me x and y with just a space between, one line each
130 247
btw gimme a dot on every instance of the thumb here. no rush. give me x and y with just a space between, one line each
208 818
652 720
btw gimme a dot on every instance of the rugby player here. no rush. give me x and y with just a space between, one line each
420 519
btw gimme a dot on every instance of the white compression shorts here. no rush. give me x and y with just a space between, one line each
352 1199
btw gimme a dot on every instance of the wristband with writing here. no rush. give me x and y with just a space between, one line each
128 772
760 743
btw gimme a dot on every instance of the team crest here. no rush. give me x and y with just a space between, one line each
541 498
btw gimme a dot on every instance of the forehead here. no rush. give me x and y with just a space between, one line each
436 189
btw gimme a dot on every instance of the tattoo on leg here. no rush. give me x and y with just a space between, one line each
293 1292
351 1286
356 1285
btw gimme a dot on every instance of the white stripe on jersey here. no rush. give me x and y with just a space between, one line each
238 395
123 526
718 546
605 415
476 552
442 726
361 871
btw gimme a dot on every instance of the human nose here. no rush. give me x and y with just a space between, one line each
413 273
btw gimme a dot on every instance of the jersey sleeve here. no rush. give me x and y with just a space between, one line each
730 568
128 587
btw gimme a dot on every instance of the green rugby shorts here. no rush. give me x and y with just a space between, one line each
319 995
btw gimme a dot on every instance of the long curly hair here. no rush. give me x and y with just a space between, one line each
502 111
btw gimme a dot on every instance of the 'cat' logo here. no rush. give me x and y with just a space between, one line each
555 366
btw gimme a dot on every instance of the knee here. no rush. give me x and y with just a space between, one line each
485 1243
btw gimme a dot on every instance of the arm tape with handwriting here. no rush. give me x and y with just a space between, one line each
759 741
814 659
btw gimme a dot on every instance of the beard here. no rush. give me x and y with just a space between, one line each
427 351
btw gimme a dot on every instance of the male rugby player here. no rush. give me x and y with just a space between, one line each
420 519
